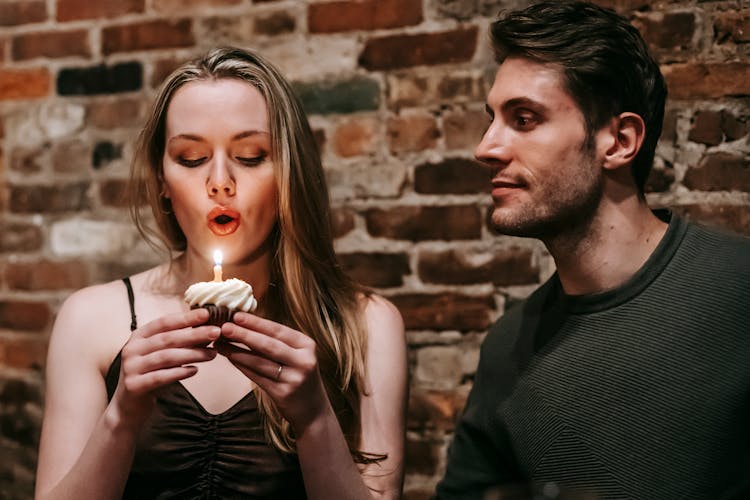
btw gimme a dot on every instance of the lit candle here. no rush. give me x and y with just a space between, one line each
218 256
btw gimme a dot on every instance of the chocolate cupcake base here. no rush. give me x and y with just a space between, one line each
217 315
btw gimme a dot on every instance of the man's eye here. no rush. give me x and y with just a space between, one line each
191 162
524 121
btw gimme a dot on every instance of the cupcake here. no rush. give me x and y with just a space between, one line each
221 298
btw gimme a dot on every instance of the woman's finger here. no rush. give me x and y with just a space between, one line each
260 365
270 328
144 383
261 343
186 337
173 357
195 317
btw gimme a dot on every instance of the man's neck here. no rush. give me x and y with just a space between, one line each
608 249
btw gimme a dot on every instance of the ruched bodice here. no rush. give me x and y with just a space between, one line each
186 452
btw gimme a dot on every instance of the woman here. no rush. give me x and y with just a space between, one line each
306 397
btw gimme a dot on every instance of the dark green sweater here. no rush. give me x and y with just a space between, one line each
640 392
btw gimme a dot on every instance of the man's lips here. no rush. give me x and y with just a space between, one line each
223 221
505 186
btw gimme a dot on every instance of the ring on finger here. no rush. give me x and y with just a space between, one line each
278 372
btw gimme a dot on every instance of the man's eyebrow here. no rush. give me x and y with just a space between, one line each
523 101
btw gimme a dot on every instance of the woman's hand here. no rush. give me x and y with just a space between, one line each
281 361
157 354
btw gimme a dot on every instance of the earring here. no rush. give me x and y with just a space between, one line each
166 205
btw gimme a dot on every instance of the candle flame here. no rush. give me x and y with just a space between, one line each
218 257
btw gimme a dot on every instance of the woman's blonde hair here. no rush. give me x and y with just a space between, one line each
308 289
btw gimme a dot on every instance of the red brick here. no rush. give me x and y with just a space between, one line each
706 128
148 36
669 128
15 12
735 218
355 137
275 23
707 80
667 30
162 69
734 25
18 237
29 161
24 315
734 128
412 133
452 176
108 114
331 17
51 44
445 311
624 6
404 51
24 83
464 130
425 223
435 409
23 353
504 267
48 199
180 6
343 221
73 10
72 157
376 269
720 172
422 456
46 275
113 193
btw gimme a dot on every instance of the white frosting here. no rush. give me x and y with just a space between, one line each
233 294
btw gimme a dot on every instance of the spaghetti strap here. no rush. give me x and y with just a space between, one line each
131 299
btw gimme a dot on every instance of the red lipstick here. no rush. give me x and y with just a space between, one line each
223 221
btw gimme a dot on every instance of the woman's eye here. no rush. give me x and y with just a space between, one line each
251 161
191 162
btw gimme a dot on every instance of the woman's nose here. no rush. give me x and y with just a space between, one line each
220 180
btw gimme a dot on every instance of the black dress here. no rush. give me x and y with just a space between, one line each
186 452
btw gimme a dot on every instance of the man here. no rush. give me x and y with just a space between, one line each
627 374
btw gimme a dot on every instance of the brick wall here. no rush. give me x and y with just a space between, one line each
395 89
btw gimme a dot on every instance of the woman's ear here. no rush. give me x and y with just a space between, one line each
626 133
164 189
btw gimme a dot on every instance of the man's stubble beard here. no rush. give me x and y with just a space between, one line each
561 208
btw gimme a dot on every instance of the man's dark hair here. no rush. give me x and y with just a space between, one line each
606 65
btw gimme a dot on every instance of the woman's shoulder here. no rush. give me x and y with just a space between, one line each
381 316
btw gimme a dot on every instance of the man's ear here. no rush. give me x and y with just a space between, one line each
625 135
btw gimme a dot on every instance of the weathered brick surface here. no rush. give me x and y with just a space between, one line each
18 237
376 269
26 353
46 275
720 172
734 25
425 223
100 79
147 36
24 315
667 31
51 44
181 6
331 17
73 10
15 12
24 83
355 137
435 409
51 199
707 80
706 128
735 218
109 113
403 51
275 23
412 133
452 176
506 267
444 311
344 96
